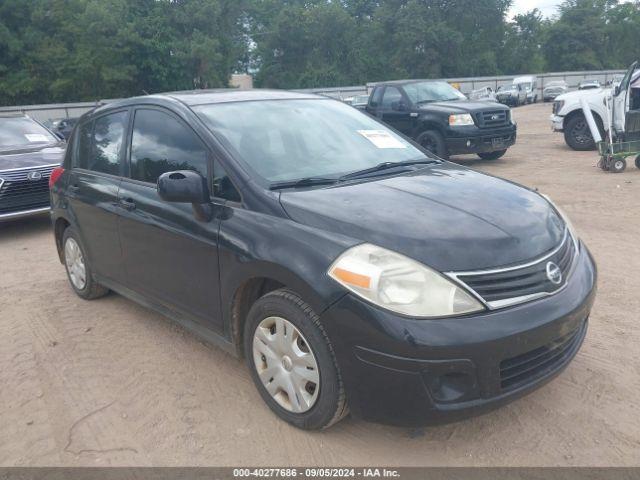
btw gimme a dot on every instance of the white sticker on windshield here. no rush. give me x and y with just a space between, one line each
36 137
382 139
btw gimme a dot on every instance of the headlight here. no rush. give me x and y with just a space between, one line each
460 120
400 284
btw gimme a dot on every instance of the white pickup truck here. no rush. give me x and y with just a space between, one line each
623 99
567 116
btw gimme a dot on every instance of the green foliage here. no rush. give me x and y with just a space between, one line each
75 50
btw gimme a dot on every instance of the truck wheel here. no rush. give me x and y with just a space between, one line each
577 134
433 141
638 161
618 165
492 155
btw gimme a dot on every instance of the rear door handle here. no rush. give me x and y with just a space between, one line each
127 204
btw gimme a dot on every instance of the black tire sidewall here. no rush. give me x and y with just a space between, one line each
571 141
492 155
86 291
439 141
281 303
613 168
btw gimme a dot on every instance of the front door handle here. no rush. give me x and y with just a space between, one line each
127 204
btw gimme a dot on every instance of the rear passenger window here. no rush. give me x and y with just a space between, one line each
160 144
108 132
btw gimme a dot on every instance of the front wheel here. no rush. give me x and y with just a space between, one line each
577 134
292 362
433 141
492 155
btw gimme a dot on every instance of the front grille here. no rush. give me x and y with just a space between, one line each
512 285
525 368
493 118
18 192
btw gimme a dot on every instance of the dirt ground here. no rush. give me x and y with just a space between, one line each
110 383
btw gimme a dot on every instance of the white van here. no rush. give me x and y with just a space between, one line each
530 84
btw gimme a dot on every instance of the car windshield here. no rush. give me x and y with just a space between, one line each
507 88
286 140
425 92
23 132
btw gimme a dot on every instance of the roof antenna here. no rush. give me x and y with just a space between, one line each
145 92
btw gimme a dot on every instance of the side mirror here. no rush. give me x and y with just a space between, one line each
398 106
187 186
616 91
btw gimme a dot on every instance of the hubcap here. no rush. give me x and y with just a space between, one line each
75 263
286 364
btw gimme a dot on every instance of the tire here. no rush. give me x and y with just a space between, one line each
492 155
433 141
618 165
577 134
638 161
89 289
316 405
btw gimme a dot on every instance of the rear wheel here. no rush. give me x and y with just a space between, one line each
492 155
292 362
577 133
78 267
433 141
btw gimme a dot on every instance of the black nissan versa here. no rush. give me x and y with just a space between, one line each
351 270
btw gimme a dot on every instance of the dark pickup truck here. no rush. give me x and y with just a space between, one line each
442 119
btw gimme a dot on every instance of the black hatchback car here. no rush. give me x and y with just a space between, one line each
352 270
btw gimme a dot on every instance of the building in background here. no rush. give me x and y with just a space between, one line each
243 81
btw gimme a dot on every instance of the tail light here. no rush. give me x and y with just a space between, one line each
56 173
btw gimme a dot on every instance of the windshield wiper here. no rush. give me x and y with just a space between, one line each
387 166
302 182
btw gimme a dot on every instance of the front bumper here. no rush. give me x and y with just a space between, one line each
480 140
410 372
557 122
24 213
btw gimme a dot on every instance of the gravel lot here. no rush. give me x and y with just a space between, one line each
110 383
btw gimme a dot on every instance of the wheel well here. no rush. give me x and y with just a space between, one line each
595 114
244 298
428 126
59 228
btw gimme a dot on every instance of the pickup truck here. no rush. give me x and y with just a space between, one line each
442 120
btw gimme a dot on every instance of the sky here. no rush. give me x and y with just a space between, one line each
547 7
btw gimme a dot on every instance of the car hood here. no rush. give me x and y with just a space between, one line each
31 157
595 93
462 106
446 216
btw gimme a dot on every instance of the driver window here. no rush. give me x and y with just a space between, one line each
391 94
